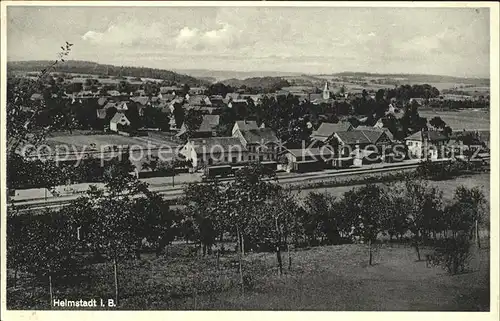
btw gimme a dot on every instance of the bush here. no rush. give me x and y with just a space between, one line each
453 254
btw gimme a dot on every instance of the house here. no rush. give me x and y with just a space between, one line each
197 90
192 102
121 106
376 128
214 151
102 101
261 143
231 96
166 96
169 89
235 103
361 143
428 144
206 129
217 101
113 93
140 92
110 104
256 98
305 160
326 130
419 101
118 120
142 100
243 125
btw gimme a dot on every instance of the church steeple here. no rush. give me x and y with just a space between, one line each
326 91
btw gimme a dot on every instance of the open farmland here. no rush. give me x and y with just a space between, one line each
463 119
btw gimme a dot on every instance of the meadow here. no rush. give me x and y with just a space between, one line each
462 119
334 278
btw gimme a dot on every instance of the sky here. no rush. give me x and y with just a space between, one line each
452 41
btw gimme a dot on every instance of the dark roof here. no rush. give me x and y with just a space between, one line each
168 97
141 100
299 152
353 137
199 100
326 130
247 124
430 135
260 136
208 123
376 129
216 144
232 96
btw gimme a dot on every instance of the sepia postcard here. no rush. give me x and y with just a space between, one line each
249 159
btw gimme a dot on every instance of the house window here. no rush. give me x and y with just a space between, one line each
261 158
210 161
233 160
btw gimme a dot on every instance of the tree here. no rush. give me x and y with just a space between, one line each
472 202
124 87
437 123
192 122
369 210
178 114
422 204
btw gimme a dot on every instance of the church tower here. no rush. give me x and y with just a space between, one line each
326 92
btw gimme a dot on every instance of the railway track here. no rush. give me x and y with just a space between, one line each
172 193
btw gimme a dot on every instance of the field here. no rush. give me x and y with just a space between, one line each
463 119
446 186
322 278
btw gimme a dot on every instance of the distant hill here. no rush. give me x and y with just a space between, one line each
219 75
258 82
414 78
88 67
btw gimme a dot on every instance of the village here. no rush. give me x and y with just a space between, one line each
200 136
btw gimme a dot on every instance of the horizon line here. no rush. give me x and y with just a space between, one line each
262 71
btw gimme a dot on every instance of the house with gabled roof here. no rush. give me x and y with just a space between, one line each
262 143
305 159
214 151
243 125
326 130
235 103
207 127
142 100
118 120
376 129
426 144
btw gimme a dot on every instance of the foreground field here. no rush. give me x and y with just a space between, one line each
338 278
321 278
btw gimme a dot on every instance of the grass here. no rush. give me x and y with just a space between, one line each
482 180
321 278
459 120
338 278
